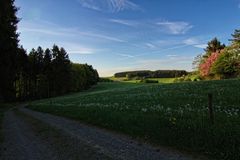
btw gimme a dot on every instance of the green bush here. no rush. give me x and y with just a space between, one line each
180 79
228 64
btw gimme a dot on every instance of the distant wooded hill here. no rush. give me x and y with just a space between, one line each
152 74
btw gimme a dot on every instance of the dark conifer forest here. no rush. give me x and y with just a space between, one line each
41 73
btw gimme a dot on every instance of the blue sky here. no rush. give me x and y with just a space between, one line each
123 35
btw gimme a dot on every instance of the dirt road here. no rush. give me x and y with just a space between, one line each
31 135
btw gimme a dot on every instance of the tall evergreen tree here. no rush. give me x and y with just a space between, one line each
62 70
213 46
47 71
33 72
40 56
236 37
47 59
8 48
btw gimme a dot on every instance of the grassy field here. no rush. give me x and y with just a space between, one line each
160 80
163 80
173 115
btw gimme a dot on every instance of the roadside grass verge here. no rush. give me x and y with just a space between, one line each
173 115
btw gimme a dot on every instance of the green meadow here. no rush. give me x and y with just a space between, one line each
160 80
173 115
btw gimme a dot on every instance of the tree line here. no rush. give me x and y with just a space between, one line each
40 73
152 74
48 73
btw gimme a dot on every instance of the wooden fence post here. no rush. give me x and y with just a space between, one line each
210 108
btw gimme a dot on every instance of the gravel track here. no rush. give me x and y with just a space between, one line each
107 143
72 141
26 138
21 143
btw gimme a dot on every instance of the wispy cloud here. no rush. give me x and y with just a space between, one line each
162 46
45 31
172 55
165 63
129 56
191 41
109 5
195 42
110 38
74 48
172 48
82 51
124 22
175 27
126 55
201 46
55 30
239 5
150 45
51 33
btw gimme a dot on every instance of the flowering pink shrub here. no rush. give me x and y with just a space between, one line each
206 66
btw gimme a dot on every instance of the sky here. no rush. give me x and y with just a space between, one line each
124 35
